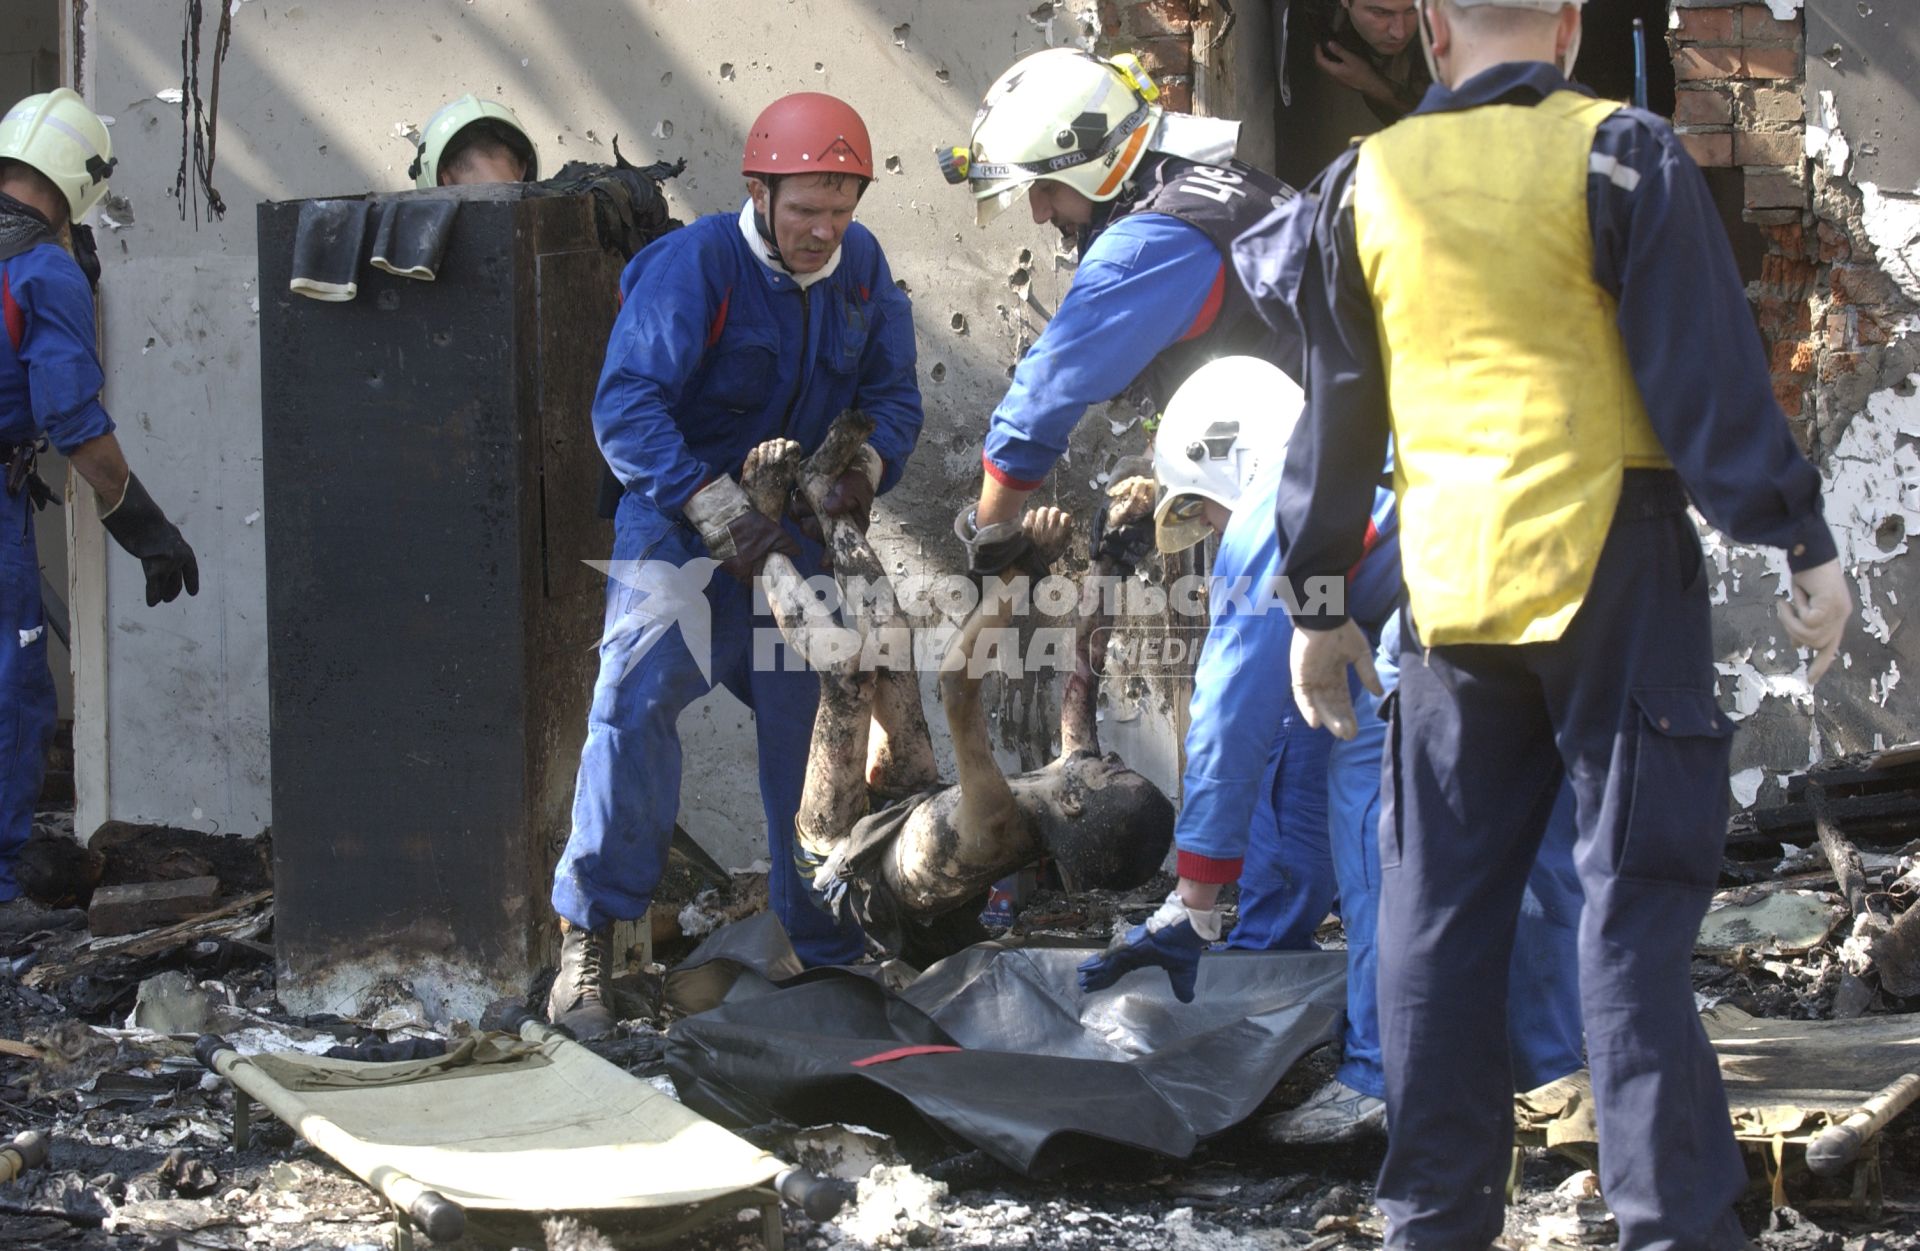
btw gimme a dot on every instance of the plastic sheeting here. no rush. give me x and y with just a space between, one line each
996 1046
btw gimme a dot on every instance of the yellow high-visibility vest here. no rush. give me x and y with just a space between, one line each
1514 409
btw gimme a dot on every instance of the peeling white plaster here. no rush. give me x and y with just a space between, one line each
1874 477
1872 496
1892 220
1783 10
1751 687
1881 688
1825 142
1746 785
169 95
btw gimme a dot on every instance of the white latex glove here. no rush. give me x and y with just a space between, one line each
1320 659
1815 614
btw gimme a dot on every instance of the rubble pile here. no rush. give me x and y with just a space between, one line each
1819 923
96 1050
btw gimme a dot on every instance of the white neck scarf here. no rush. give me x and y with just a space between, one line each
751 233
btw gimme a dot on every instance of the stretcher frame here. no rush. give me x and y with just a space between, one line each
420 1211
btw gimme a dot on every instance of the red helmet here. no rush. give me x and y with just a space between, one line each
808 133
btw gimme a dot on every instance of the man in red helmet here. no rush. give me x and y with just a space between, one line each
737 329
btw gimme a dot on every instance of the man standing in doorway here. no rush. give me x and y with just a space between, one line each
1371 46
737 329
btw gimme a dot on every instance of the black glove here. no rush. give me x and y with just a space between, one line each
85 253
1125 545
992 550
850 496
137 524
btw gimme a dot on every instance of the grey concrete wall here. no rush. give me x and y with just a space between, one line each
314 97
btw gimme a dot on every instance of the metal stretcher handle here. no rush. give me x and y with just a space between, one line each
821 1198
1835 1147
28 1150
440 1218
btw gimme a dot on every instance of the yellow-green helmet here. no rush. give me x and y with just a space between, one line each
1062 114
439 132
57 134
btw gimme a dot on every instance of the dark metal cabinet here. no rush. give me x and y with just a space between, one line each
430 478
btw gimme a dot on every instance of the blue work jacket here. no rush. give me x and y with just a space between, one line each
50 375
715 351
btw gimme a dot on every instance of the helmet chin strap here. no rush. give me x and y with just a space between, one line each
765 227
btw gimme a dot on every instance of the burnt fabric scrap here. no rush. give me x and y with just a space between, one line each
629 208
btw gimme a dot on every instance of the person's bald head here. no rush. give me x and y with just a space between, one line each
1468 38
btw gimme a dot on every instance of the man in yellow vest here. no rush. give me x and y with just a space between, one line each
1529 290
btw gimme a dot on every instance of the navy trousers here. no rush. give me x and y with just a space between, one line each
1622 706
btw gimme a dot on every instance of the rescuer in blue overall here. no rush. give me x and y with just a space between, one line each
1562 364
55 158
1282 808
735 330
1154 202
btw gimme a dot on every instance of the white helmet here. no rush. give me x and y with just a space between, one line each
1226 423
1063 114
57 134
453 118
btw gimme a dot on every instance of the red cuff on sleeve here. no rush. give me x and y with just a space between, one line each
1008 480
1198 868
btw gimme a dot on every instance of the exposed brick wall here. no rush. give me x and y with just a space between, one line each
1823 304
1161 33
1738 101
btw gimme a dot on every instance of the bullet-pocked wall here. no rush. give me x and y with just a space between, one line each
1809 106
316 97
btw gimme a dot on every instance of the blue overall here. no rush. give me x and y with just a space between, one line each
1309 828
1254 792
1543 1000
1482 738
49 386
713 353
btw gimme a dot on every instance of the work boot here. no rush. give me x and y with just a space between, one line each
1334 1113
577 1002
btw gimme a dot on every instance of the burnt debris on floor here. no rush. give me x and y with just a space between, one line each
1810 933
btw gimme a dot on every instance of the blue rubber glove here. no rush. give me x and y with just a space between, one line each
1171 939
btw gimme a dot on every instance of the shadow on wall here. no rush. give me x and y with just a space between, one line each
313 101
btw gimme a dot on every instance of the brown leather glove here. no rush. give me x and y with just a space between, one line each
851 496
735 534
